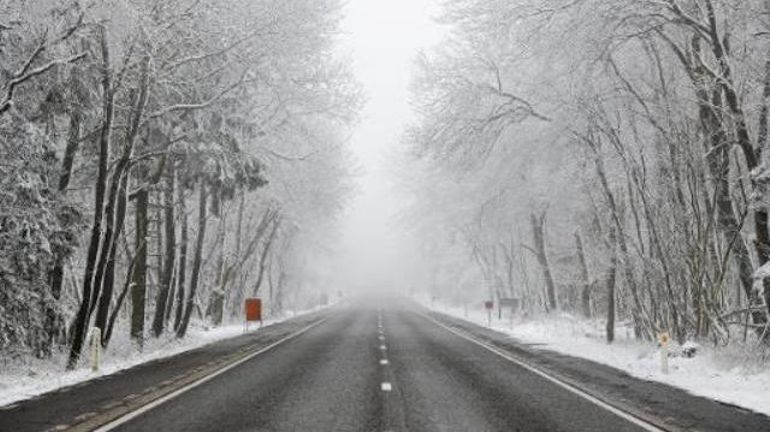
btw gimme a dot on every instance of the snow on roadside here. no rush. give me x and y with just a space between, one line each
735 374
29 377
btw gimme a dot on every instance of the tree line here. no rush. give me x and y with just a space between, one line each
162 161
603 158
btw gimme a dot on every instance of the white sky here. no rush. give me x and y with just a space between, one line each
383 37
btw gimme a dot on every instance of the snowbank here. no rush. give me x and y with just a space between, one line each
737 374
25 378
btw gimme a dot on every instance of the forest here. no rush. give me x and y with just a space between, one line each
395 215
163 160
607 159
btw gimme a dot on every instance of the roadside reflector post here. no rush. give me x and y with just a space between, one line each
663 340
96 348
253 307
489 305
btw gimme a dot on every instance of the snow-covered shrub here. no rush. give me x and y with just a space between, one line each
35 226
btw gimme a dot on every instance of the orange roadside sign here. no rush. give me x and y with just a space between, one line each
253 309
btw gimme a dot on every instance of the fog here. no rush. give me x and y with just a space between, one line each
566 171
377 251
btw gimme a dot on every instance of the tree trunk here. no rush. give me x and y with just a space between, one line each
752 155
196 265
120 300
215 310
263 258
237 269
181 274
83 316
270 287
56 275
585 292
115 209
108 279
611 276
762 144
538 234
170 246
710 110
139 275
638 312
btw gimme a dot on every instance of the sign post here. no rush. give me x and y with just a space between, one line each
253 308
489 305
663 340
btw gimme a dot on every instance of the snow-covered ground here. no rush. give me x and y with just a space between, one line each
738 374
28 377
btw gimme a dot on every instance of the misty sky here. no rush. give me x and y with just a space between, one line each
383 37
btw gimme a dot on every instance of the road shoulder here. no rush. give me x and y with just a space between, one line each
129 389
669 407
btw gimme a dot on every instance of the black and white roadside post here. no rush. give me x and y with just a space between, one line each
96 348
663 340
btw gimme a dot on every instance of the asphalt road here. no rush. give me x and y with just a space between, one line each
333 379
393 367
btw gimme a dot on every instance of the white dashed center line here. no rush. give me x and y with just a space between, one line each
385 386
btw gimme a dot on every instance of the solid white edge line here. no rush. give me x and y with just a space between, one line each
144 408
602 404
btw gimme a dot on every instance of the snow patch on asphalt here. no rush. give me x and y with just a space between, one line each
26 377
738 374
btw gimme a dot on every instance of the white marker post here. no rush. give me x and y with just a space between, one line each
96 348
663 340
